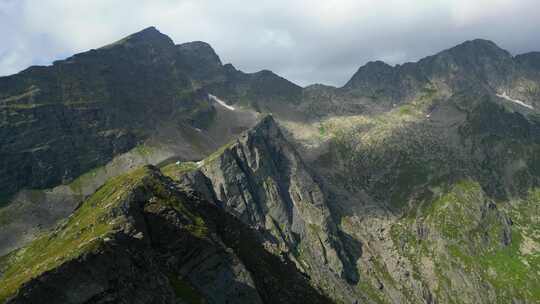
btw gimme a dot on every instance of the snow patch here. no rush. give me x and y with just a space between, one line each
519 102
221 102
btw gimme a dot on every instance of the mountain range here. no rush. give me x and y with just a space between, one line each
149 172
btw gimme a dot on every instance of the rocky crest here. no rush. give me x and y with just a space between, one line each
260 179
141 240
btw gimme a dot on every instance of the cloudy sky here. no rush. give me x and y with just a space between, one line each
306 41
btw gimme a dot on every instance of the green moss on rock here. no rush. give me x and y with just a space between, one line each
175 170
81 232
184 291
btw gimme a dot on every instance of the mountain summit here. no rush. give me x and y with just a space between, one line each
148 36
97 104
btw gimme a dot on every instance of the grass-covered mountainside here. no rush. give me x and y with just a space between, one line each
442 203
415 183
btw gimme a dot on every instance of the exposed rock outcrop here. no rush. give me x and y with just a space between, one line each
141 240
260 179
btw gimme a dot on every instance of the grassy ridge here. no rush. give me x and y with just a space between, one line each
82 232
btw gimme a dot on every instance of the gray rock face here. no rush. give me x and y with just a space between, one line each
261 180
480 61
45 145
59 121
380 80
169 247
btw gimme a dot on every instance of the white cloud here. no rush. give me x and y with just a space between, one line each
304 40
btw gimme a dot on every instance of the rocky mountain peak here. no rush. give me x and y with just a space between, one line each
529 60
373 71
148 32
200 49
476 61
200 58
376 65
476 53
148 37
261 179
478 47
267 126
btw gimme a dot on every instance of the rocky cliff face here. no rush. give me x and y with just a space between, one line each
141 240
260 179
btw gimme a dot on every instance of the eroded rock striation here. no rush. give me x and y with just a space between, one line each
260 179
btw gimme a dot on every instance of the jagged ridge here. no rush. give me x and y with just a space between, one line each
260 179
140 240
